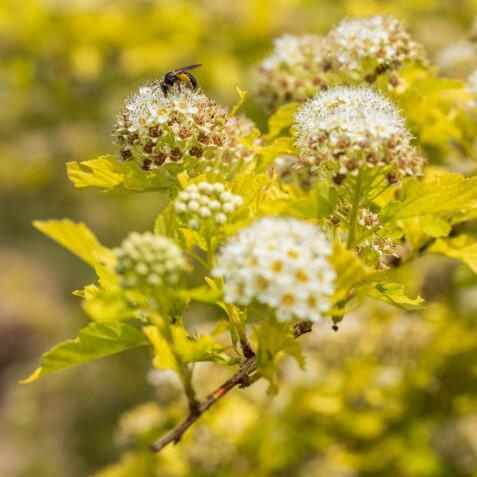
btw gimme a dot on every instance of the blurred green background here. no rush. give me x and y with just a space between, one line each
388 395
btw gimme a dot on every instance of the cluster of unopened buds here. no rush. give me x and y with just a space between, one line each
206 203
356 50
348 129
149 260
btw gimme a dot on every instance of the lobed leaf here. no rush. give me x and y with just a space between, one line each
393 294
78 239
350 271
281 119
108 173
95 341
445 194
463 248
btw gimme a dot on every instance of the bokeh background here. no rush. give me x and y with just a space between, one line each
388 395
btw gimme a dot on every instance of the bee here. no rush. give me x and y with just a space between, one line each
179 76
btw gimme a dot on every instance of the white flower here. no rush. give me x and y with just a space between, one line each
354 127
282 263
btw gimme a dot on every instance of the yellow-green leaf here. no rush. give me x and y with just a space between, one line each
164 355
104 172
96 341
462 247
242 97
350 271
192 350
107 172
78 239
393 294
444 194
281 119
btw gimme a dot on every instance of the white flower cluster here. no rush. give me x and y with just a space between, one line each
358 49
293 72
282 263
357 46
149 260
349 128
205 202
153 129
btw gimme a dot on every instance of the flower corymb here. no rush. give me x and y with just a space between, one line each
149 260
154 129
282 263
293 72
357 46
348 128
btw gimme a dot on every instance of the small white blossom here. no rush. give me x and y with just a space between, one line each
282 263
367 219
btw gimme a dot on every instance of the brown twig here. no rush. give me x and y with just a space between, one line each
241 378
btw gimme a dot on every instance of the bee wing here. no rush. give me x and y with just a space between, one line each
186 68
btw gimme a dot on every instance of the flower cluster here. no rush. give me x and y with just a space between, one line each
362 48
358 49
293 72
149 260
206 203
154 129
350 128
282 263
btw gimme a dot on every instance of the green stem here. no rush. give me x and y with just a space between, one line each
184 371
354 212
239 326
210 251
186 375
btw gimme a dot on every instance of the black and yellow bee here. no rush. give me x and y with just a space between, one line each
180 76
